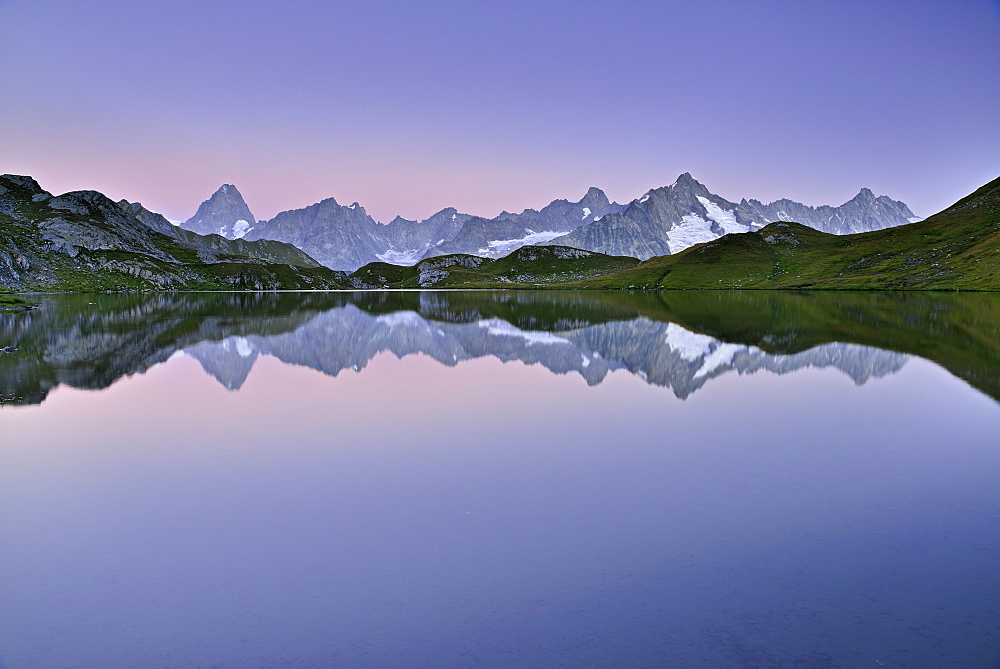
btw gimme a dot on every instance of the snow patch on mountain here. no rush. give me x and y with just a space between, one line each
240 228
692 230
406 257
498 248
725 219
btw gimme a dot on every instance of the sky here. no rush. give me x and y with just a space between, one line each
410 107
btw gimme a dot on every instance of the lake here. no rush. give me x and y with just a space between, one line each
501 479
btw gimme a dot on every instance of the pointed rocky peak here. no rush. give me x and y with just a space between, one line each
225 213
22 181
595 198
688 184
864 195
228 192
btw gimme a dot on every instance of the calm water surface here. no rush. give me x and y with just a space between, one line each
500 479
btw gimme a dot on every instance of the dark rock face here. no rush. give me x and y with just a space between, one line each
225 213
670 219
499 236
864 213
340 237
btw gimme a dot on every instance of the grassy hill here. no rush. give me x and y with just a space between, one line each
82 241
527 267
958 248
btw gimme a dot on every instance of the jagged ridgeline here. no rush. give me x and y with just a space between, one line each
681 340
84 241
664 220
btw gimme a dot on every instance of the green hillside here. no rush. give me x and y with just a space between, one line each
958 248
527 267
82 241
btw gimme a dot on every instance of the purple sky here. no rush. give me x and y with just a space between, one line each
408 107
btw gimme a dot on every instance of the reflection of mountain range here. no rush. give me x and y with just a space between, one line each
663 354
679 339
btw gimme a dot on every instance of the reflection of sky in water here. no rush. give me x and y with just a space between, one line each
499 514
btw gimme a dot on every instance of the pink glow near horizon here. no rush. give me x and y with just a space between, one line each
410 108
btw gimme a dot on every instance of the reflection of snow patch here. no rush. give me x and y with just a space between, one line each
689 345
403 319
586 361
720 357
501 328
243 347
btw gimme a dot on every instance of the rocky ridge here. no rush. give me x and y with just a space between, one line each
668 220
663 221
82 240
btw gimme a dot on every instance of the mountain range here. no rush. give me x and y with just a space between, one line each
83 241
660 222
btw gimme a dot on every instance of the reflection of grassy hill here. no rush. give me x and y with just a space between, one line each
959 332
958 248
71 340
530 310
